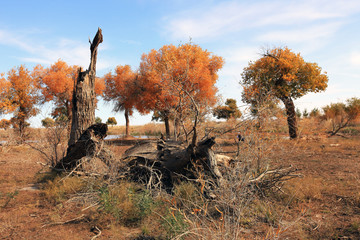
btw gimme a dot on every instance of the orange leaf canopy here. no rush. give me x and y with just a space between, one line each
120 88
282 73
19 93
169 74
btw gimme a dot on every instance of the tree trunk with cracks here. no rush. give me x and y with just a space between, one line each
291 116
83 111
167 162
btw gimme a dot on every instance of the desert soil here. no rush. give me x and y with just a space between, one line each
329 206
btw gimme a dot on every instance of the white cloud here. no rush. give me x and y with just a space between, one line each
71 51
10 39
234 16
236 58
355 59
319 31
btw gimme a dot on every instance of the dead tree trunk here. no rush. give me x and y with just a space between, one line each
158 163
89 144
83 111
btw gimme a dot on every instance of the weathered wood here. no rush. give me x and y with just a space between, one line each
89 145
291 116
83 111
165 159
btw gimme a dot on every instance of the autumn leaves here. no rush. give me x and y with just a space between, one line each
19 94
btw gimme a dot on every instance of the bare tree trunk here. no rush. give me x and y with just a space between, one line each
167 125
291 116
127 121
83 111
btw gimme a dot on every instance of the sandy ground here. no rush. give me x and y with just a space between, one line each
331 170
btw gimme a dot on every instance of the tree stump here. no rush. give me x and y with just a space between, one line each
89 145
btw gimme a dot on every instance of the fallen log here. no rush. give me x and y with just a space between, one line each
88 146
155 163
163 163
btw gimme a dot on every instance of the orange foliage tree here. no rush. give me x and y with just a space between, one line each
19 95
4 93
178 80
57 85
283 75
120 89
341 114
5 124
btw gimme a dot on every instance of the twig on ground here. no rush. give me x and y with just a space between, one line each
66 222
95 228
92 205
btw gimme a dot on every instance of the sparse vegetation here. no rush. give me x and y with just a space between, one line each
291 209
341 115
230 110
182 188
48 122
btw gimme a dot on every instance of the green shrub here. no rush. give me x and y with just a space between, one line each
174 223
188 196
351 131
126 202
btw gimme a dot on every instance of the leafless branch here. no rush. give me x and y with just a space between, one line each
74 220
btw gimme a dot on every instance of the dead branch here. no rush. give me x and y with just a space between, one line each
94 230
270 178
74 220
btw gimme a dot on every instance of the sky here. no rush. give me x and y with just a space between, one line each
323 31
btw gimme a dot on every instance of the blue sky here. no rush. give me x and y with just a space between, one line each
326 32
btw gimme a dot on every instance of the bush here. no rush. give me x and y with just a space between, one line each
5 124
351 131
98 120
111 121
174 223
48 122
126 202
341 114
188 196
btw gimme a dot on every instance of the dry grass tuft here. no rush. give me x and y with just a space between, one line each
306 189
60 188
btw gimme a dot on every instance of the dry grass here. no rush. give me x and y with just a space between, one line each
61 188
150 129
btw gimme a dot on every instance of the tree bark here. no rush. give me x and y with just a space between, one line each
291 116
89 145
167 125
127 121
83 111
173 157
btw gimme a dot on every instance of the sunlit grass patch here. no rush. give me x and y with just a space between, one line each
61 188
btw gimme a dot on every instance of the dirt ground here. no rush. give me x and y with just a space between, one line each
329 191
325 203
